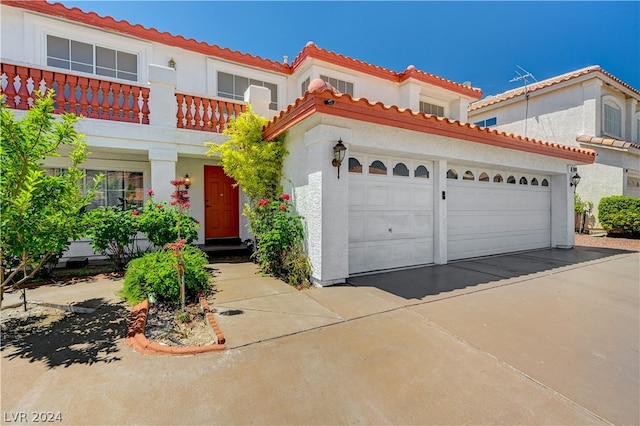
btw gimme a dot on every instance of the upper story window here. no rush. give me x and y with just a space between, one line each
84 57
305 86
433 109
612 120
233 87
487 123
341 85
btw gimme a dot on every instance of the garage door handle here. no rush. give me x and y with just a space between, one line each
390 230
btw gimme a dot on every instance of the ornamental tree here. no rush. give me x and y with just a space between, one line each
255 164
41 211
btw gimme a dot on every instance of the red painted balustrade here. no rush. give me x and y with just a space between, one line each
89 97
198 113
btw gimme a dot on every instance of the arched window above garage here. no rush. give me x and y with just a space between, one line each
400 170
354 165
377 168
452 174
545 182
468 175
421 172
523 181
534 182
498 178
483 177
511 180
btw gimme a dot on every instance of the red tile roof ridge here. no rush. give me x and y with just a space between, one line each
311 50
271 128
618 143
519 91
137 30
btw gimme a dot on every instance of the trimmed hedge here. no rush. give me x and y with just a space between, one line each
620 215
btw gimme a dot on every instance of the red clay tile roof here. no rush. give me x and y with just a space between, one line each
313 51
614 143
520 91
361 109
309 51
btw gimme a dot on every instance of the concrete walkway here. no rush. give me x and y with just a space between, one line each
547 337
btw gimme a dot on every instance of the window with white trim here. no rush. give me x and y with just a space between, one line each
487 123
340 85
233 87
305 86
612 120
84 57
429 108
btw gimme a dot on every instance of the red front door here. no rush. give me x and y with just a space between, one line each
220 204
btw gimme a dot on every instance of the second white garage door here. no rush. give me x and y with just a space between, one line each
496 212
390 213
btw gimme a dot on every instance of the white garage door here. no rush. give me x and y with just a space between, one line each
496 212
390 213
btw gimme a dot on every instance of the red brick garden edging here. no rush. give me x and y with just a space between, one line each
139 342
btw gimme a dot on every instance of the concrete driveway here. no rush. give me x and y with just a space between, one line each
544 337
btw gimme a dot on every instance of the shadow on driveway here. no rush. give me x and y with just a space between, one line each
424 281
71 339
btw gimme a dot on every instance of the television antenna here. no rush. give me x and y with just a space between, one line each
524 75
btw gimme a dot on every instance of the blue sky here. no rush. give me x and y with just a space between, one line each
482 42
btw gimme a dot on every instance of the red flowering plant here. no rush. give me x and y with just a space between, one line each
279 234
160 221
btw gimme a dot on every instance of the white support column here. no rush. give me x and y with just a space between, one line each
592 111
259 98
440 212
327 206
162 96
562 212
163 171
631 122
459 109
410 96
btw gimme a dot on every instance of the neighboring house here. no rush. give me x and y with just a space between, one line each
419 185
587 108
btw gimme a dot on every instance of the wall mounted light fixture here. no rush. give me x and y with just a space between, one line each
338 155
187 181
575 180
172 63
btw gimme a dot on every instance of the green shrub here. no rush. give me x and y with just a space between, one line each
279 237
155 274
159 222
113 232
620 215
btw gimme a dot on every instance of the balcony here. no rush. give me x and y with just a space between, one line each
115 101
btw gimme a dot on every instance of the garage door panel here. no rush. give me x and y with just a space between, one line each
392 225
485 219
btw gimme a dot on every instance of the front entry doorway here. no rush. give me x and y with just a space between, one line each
221 200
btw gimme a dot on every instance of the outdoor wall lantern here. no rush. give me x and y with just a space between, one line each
575 180
172 63
338 155
187 181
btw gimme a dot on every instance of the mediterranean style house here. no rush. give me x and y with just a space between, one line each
587 108
419 184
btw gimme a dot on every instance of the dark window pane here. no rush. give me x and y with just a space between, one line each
354 165
421 172
127 62
467 175
452 174
81 52
534 182
511 179
225 84
105 58
498 179
377 168
58 63
400 170
57 47
483 177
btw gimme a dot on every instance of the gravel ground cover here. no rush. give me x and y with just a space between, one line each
608 242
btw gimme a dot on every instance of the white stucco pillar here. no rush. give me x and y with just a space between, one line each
592 122
259 98
327 206
459 109
163 106
440 212
631 122
562 214
410 96
163 171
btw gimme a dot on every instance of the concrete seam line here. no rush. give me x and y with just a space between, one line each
516 370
